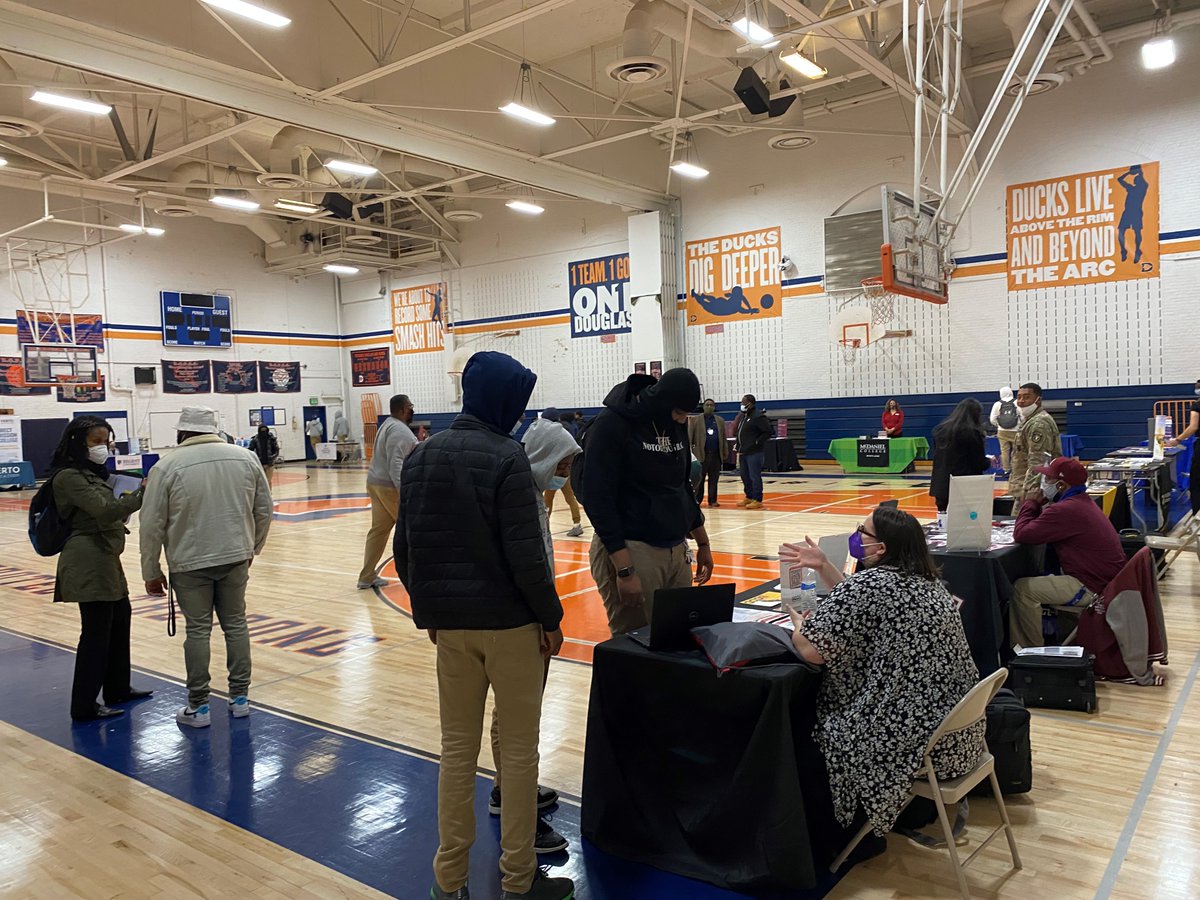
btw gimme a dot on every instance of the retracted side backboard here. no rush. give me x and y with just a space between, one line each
59 364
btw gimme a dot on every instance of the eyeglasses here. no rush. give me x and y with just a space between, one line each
862 529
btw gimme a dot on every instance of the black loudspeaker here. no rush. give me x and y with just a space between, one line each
145 375
781 105
339 205
752 91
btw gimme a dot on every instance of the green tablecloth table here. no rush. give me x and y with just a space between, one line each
902 451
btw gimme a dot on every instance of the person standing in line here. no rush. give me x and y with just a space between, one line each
752 430
208 506
958 449
266 448
1192 427
1006 417
315 431
1038 442
341 427
470 551
636 486
553 415
394 441
893 419
710 447
89 569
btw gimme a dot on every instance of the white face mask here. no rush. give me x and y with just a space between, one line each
555 483
743 407
1049 488
98 454
1027 411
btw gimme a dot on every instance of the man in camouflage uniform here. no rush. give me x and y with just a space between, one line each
1037 443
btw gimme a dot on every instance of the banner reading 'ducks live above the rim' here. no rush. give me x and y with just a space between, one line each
1084 229
417 318
734 277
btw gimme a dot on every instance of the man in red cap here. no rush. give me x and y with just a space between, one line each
1088 549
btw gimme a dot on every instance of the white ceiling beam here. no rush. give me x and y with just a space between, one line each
68 42
181 150
468 37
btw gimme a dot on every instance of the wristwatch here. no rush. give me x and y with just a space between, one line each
626 572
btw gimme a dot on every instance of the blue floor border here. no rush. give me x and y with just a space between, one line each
365 810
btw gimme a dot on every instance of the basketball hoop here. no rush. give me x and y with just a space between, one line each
850 348
880 299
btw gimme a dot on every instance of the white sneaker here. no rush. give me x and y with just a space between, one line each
576 530
196 718
374 583
239 707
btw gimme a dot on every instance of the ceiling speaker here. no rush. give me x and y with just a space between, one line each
752 91
780 105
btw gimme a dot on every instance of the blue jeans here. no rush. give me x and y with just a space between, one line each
752 466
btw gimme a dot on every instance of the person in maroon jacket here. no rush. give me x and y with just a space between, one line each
1088 548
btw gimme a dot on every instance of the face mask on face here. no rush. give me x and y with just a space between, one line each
98 454
1027 411
744 408
858 548
1049 488
1198 392
555 483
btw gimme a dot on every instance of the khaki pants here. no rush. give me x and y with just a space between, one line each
199 593
511 662
569 496
1028 598
657 568
1008 440
385 505
497 759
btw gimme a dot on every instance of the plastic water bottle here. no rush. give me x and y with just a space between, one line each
798 587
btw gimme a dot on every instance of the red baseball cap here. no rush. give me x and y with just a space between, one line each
1064 468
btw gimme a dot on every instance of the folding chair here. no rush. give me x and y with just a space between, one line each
971 709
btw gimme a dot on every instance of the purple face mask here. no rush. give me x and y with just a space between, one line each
856 545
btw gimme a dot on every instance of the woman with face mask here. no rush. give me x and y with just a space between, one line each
1190 431
89 567
896 662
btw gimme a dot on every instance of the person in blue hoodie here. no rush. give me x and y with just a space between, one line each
470 552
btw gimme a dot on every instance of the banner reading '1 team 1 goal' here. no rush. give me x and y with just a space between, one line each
1084 229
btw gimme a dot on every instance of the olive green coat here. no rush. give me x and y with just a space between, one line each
89 567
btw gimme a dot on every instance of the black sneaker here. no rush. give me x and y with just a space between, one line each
544 888
547 840
546 797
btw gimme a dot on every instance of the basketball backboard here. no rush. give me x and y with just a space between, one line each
59 364
851 329
914 258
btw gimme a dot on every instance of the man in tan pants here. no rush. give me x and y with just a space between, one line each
393 443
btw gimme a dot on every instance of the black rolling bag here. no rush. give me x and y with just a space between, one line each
1054 682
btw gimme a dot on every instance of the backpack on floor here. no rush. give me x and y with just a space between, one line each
1008 417
48 532
1008 742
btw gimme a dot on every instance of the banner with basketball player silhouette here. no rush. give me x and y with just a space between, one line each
734 278
417 318
1084 229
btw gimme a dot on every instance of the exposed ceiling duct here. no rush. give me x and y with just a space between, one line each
637 65
198 172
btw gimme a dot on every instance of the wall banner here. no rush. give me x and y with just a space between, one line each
12 379
235 377
1084 229
370 368
77 393
417 318
599 296
734 278
186 376
89 330
279 377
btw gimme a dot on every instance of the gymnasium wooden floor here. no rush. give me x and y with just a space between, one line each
1115 809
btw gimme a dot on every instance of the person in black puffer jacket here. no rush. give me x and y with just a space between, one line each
469 550
752 430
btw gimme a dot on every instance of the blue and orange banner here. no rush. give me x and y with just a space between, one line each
734 278
599 296
370 368
56 328
1084 229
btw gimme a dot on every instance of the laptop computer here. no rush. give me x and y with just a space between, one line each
677 611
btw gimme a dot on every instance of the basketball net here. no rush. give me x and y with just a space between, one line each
850 348
881 301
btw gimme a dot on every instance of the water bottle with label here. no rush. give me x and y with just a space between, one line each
798 587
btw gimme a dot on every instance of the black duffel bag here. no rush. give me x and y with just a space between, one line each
1008 741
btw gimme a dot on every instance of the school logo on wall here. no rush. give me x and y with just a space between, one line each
599 293
417 318
734 278
1084 229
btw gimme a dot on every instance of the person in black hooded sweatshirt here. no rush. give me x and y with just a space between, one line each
637 476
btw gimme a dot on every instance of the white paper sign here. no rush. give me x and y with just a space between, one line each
327 451
10 439
969 513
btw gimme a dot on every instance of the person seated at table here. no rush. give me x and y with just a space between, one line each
896 662
1190 431
957 449
1089 550
893 419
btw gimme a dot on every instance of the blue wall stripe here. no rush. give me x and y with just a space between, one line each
986 257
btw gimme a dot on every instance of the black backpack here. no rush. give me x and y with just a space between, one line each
1008 417
48 531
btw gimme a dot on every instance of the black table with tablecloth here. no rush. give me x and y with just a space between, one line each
714 778
984 580
780 456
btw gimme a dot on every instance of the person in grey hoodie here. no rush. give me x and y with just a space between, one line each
393 442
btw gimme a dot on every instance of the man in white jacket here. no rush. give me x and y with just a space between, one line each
208 505
1007 420
393 442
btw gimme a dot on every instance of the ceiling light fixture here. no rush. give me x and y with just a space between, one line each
754 33
337 269
1159 51
64 102
155 231
348 167
686 165
3 161
151 230
524 104
524 206
807 67
231 201
250 11
299 206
